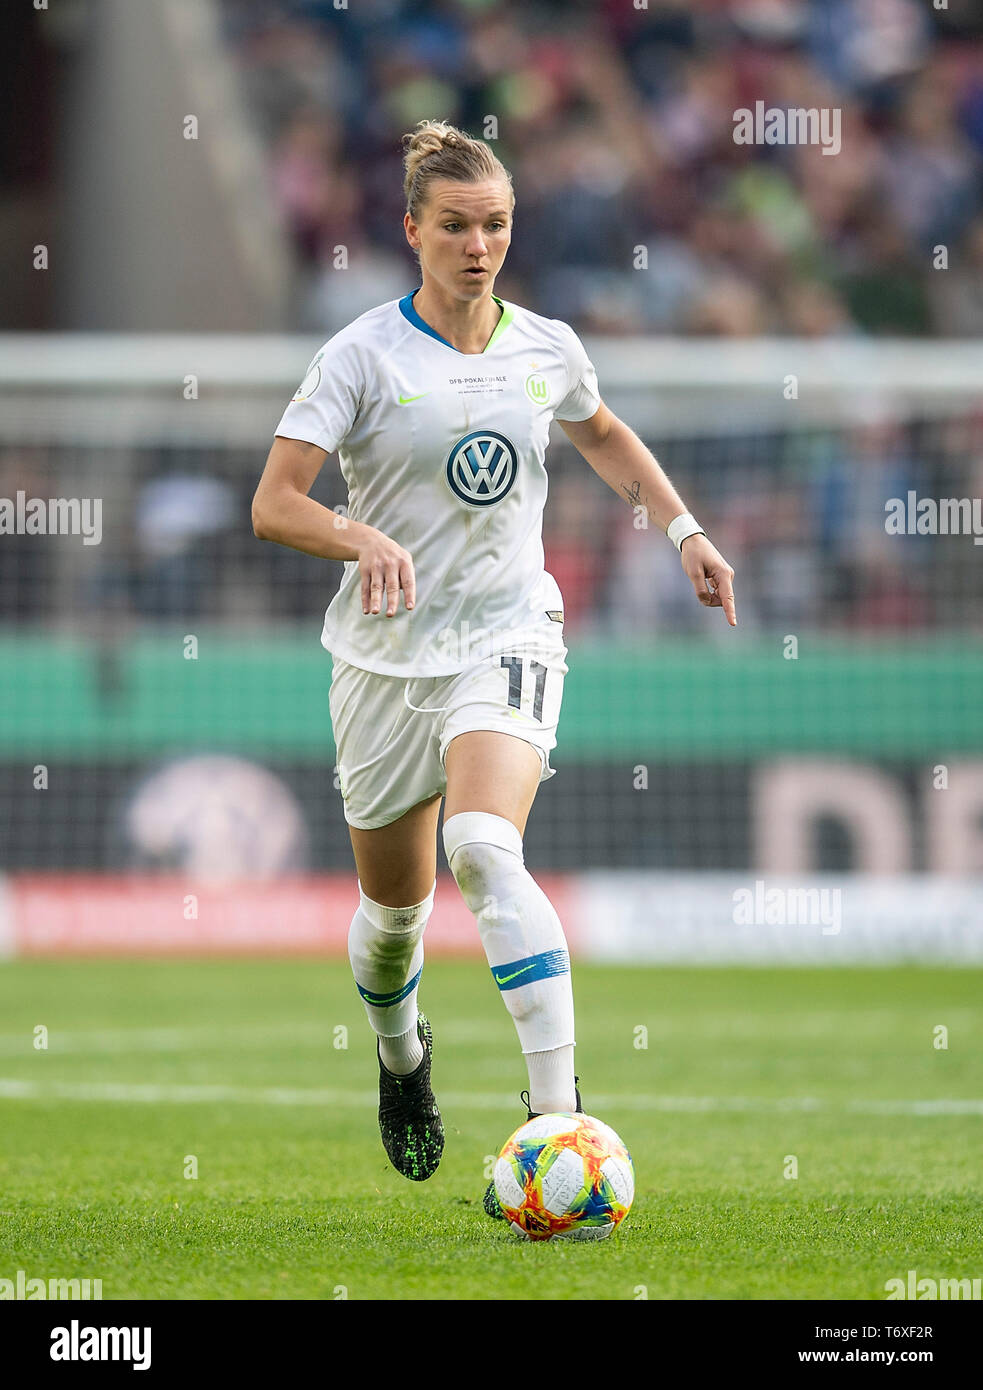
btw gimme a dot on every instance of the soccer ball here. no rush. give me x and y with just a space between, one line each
564 1176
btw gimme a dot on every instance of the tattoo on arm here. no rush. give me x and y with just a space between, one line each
633 493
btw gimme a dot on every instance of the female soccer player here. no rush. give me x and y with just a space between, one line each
456 694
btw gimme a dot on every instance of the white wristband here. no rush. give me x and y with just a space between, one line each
682 527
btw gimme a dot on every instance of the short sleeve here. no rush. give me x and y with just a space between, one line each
328 400
583 398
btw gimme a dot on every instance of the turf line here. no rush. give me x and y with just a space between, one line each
209 1037
13 1088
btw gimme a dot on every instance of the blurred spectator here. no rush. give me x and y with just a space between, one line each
574 529
318 196
25 560
929 171
812 310
177 518
729 308
956 292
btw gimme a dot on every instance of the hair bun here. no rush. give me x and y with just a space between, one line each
448 153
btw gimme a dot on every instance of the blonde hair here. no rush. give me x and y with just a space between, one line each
436 150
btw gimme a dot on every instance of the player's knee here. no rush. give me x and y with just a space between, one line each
382 935
483 851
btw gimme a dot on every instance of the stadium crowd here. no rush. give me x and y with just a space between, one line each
636 210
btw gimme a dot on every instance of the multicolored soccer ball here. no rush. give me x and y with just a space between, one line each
564 1176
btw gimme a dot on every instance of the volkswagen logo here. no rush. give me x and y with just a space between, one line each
482 467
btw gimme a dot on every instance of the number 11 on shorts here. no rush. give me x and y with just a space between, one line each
514 666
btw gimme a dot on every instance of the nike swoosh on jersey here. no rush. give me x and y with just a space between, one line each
504 979
405 400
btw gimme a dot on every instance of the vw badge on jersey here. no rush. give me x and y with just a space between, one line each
482 467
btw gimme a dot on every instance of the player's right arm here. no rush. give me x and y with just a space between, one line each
283 511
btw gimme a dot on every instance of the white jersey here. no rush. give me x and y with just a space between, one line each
443 451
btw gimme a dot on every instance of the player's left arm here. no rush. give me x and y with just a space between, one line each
617 455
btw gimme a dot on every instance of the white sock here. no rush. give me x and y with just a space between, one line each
385 947
551 1083
522 937
403 1054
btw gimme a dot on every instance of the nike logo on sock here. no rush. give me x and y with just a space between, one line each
539 967
504 979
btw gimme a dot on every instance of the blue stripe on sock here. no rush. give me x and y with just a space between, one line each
385 1001
524 972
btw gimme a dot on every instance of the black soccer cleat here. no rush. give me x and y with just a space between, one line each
490 1202
409 1121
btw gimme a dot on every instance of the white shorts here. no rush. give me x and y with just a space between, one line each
391 757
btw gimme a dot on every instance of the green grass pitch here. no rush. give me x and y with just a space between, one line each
241 1066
